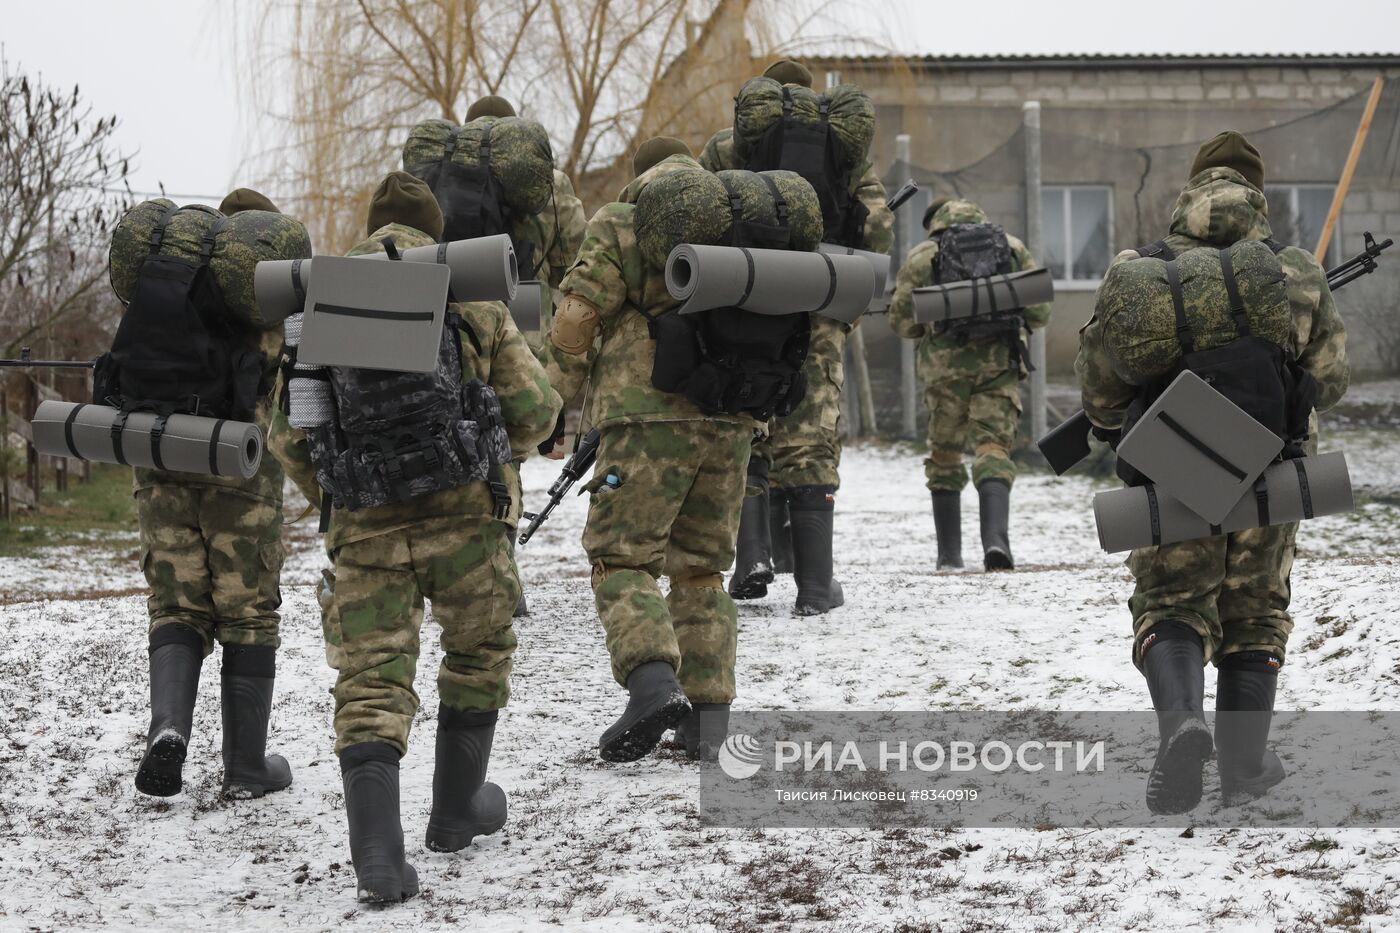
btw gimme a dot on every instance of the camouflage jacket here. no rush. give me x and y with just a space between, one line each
530 407
266 484
1218 208
611 275
940 355
718 155
556 233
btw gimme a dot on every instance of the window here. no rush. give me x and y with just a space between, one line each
1076 225
1297 213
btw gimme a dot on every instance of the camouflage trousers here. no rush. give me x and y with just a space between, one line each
675 512
374 610
1232 589
804 449
977 410
212 557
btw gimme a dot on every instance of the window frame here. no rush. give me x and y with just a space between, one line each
1293 188
1065 189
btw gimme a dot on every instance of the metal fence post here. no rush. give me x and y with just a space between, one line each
1030 113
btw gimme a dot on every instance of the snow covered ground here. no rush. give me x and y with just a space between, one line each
595 847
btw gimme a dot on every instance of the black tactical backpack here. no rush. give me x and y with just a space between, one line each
397 435
975 251
471 199
1260 376
816 153
177 350
731 361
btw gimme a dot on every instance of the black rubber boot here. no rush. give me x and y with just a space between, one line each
779 530
704 730
370 771
655 703
1244 705
994 501
753 558
522 607
1173 661
813 511
176 655
465 804
246 681
947 525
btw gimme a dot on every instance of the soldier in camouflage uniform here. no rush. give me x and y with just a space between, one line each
446 548
972 395
211 550
666 491
794 472
1224 598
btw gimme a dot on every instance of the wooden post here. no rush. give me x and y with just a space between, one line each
1030 122
1353 157
864 395
4 456
906 223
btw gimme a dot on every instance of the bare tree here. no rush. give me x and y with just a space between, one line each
62 189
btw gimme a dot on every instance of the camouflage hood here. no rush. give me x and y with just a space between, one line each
956 212
1219 207
674 163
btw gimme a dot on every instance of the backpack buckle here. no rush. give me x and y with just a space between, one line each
500 500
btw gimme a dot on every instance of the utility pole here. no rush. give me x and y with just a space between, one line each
1030 124
908 380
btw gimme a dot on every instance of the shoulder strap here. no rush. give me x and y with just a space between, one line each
1184 336
736 209
1157 250
483 152
1274 245
206 245
451 148
1232 291
780 205
158 231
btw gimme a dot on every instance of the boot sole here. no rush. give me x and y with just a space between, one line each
373 893
1175 784
645 734
752 586
997 559
160 772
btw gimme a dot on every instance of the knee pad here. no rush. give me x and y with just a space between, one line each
1169 629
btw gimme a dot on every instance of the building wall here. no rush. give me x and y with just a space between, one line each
1118 123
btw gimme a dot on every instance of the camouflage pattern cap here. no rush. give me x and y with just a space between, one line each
932 209
787 71
490 106
1231 150
403 199
654 150
245 199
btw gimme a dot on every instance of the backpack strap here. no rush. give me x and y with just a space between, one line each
483 152
158 231
780 204
1232 291
736 211
206 244
1277 248
449 150
1157 250
1184 335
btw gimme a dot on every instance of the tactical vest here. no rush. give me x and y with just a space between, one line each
815 153
975 251
396 436
177 350
731 361
471 200
1260 376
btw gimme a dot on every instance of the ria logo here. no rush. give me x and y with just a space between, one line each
740 756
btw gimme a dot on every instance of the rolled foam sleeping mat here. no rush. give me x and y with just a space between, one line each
1142 516
936 304
188 444
879 264
482 269
770 281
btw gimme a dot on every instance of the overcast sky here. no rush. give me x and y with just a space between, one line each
170 68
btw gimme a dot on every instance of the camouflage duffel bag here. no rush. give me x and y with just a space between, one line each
238 245
777 210
1136 310
520 158
760 105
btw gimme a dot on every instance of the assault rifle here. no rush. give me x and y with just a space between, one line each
25 361
1068 443
579 463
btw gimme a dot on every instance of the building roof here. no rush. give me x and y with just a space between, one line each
1131 60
